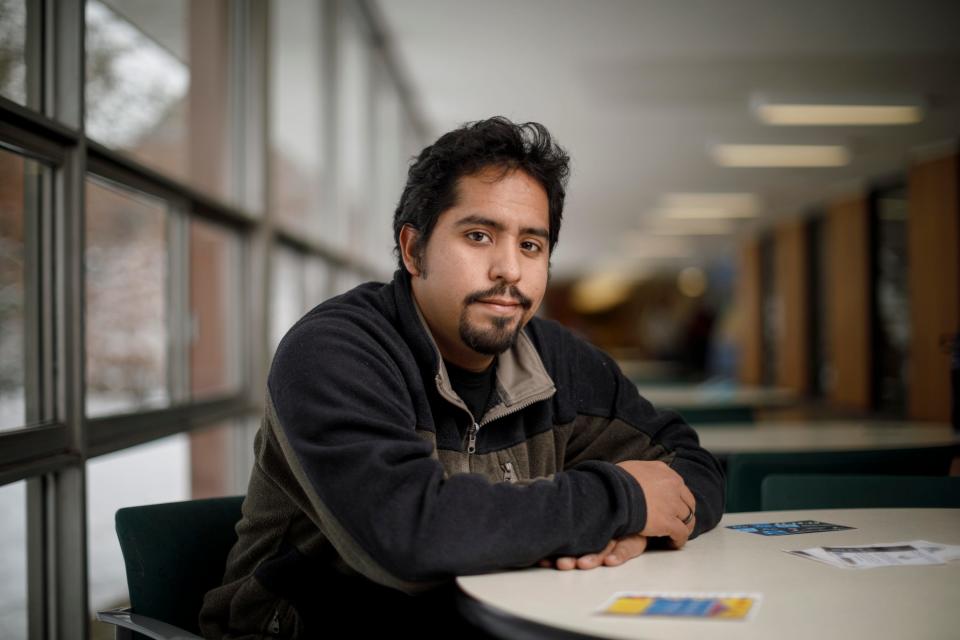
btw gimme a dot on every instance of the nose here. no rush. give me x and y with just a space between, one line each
505 264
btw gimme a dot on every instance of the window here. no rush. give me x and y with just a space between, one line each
21 187
215 354
13 48
353 142
298 113
13 541
127 338
389 169
158 85
135 303
287 293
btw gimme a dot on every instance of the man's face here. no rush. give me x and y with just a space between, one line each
484 269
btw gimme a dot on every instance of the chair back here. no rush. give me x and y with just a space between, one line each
781 492
174 553
746 471
706 416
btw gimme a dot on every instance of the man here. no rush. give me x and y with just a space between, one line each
432 427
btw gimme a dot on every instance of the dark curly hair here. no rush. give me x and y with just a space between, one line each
496 142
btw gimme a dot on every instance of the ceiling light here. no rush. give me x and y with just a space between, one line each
694 228
780 155
837 110
643 244
703 206
835 114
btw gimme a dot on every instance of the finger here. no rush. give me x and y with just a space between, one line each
626 549
593 560
566 563
691 525
688 498
678 533
545 563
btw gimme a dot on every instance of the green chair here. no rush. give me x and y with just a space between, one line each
746 471
781 492
706 416
174 553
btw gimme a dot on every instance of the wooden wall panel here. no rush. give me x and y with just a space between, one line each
749 314
791 284
848 302
934 228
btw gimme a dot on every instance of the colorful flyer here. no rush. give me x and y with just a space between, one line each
719 606
788 528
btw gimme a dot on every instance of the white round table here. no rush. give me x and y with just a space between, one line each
801 598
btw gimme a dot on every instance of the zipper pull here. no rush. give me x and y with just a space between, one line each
472 438
508 472
274 627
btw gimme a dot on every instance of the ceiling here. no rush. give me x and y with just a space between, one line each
637 91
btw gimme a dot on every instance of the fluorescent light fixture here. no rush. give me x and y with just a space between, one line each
644 244
694 228
707 206
837 110
780 155
838 114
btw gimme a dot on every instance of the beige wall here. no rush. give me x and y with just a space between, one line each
934 278
791 284
749 311
848 302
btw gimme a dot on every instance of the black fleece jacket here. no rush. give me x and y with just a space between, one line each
367 460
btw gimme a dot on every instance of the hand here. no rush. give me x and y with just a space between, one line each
669 501
615 553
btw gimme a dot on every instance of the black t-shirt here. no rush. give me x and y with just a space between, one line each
477 389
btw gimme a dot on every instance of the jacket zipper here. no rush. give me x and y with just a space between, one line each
274 627
493 415
508 475
472 436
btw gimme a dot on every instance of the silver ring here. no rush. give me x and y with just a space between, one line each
689 518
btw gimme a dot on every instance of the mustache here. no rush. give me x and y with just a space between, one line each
500 291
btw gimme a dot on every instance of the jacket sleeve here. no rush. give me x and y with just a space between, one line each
343 414
614 423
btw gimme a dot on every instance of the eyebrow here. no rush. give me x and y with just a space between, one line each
499 226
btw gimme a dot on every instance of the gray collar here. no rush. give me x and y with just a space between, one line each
521 377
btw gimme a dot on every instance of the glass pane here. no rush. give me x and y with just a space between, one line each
390 175
317 282
221 457
286 293
297 135
216 358
347 280
353 128
126 301
19 198
158 86
148 474
13 541
13 61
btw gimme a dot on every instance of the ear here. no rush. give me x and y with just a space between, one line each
408 241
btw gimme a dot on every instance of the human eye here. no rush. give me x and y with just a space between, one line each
479 236
531 246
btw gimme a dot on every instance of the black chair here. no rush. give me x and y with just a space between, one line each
781 492
746 471
174 553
